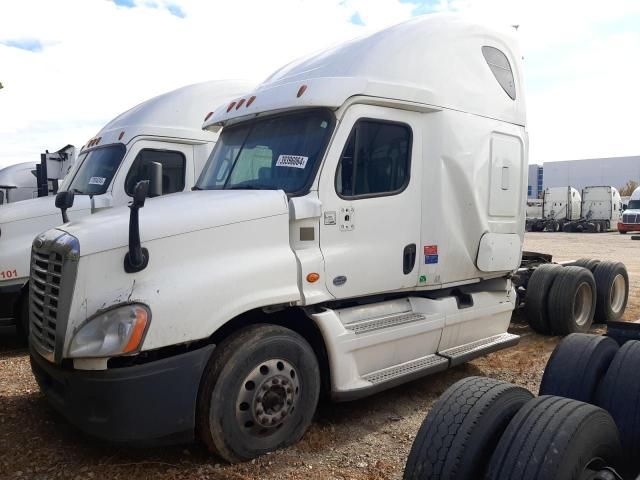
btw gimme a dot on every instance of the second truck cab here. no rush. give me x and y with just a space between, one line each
164 130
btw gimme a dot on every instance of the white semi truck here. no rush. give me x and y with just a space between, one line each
163 131
559 206
601 210
630 221
28 180
356 226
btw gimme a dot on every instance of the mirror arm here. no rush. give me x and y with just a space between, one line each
137 258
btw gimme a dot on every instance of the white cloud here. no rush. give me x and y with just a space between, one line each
99 59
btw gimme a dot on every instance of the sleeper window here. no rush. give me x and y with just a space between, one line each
501 69
173 170
375 160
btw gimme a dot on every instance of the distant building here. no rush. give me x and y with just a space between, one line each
535 188
615 171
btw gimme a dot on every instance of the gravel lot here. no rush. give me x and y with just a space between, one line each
366 439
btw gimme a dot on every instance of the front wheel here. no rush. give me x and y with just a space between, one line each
258 393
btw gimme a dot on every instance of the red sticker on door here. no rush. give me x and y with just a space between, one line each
431 249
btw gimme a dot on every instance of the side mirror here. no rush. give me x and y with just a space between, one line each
64 201
137 257
155 179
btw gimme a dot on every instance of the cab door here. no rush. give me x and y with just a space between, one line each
370 189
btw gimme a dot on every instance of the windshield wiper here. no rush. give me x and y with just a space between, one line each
250 187
75 190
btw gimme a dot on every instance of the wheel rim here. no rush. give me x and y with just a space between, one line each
267 397
582 304
617 293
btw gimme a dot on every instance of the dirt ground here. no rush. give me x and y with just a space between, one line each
366 439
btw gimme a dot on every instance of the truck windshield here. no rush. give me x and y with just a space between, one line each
97 169
268 154
634 205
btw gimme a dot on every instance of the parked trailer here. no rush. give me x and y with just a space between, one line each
25 181
559 206
163 132
585 424
601 210
307 258
630 221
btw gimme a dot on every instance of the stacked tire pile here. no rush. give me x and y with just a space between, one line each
565 299
585 425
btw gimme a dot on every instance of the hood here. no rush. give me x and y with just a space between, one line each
38 207
176 214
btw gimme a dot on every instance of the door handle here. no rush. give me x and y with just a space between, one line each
409 258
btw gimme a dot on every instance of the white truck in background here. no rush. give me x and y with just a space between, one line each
322 250
25 181
533 212
559 206
160 137
601 210
630 221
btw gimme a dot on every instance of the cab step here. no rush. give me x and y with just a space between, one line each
386 321
422 366
469 351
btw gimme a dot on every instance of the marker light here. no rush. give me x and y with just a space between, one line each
240 103
231 105
208 116
121 135
115 332
250 101
301 90
313 277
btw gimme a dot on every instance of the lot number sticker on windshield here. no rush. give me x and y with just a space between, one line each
292 161
97 181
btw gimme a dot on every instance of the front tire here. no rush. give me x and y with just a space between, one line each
259 392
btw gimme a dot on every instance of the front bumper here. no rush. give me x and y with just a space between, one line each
9 297
628 227
149 404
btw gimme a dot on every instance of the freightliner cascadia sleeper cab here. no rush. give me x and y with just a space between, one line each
355 227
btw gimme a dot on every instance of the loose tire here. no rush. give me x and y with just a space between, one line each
588 263
619 394
612 291
572 301
536 297
258 393
577 366
554 438
457 437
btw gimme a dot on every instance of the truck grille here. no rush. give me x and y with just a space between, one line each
630 218
54 261
46 272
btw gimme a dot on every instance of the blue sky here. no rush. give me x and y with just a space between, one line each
78 63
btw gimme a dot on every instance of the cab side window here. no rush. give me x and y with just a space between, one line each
173 170
375 160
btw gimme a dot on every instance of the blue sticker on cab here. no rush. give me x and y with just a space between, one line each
430 259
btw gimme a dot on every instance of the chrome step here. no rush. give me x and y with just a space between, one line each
384 322
469 351
424 365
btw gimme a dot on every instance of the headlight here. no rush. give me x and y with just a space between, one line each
115 332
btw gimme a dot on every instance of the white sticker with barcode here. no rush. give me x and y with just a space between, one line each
97 181
292 161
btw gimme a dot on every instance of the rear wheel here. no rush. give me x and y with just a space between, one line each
577 365
457 437
612 291
554 438
588 263
536 297
572 301
259 392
